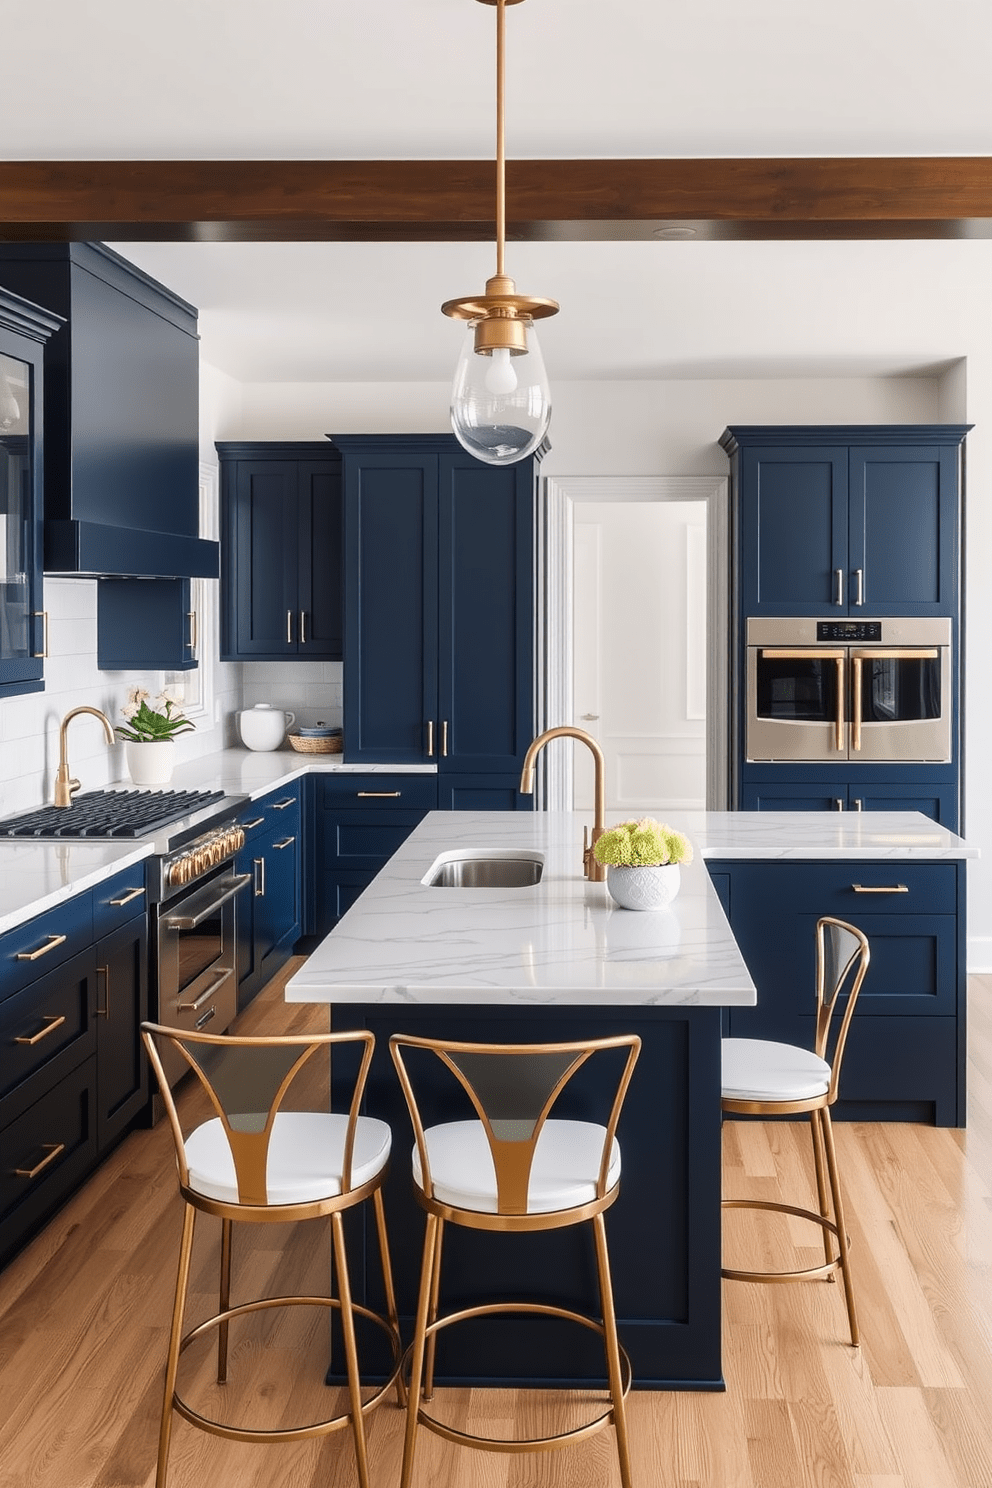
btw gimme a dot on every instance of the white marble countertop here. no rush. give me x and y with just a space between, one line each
37 876
561 941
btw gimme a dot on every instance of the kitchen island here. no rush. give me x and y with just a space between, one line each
557 960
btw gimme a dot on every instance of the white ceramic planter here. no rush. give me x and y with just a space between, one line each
644 888
150 763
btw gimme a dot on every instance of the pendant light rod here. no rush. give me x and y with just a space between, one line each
500 136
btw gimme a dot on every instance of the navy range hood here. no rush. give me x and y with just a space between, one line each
121 415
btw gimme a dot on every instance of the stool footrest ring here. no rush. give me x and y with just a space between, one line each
287 1433
520 1444
810 1273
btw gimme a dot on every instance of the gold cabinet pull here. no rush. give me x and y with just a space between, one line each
43 950
444 739
259 877
838 586
53 1149
126 898
281 805
376 795
256 823
859 583
289 627
286 842
41 615
51 1023
191 617
303 627
430 738
880 888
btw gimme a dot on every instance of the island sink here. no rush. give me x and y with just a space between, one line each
485 870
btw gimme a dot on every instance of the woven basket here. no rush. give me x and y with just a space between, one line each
331 744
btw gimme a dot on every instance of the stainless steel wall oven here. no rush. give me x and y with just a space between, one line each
855 690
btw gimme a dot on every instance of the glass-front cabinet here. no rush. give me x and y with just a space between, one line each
24 329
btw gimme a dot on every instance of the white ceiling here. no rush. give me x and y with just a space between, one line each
414 78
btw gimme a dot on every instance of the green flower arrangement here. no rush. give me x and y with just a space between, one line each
152 725
642 844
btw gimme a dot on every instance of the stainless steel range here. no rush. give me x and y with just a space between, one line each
192 889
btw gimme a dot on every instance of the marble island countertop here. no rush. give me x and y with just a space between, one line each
560 941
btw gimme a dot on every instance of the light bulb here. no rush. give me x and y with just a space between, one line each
500 376
500 412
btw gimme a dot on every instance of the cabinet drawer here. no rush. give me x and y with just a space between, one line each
49 940
45 1153
45 1030
280 809
120 899
829 889
378 792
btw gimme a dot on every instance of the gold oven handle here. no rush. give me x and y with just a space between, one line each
839 737
856 660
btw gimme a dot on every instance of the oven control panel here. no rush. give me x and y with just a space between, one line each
202 855
848 631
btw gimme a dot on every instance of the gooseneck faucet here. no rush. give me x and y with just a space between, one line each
65 787
591 869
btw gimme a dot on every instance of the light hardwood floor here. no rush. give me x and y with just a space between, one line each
84 1313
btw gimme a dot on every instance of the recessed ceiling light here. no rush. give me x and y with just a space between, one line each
674 233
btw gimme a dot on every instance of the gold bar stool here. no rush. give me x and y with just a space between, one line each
762 1078
259 1164
512 1169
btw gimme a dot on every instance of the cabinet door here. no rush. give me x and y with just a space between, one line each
903 530
794 796
145 623
121 1007
319 621
486 616
21 631
938 801
264 540
390 674
794 530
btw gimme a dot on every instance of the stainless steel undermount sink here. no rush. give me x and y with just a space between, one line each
497 869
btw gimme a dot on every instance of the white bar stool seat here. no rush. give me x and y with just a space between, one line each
563 1175
305 1160
757 1069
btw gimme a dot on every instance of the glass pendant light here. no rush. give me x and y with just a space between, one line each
500 400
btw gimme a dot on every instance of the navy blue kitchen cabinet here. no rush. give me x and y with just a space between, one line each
439 606
121 407
361 820
912 792
281 552
270 908
73 992
905 1057
24 330
145 623
859 520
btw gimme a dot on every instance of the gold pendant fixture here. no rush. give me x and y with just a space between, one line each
500 401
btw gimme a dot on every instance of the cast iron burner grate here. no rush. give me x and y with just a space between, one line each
110 814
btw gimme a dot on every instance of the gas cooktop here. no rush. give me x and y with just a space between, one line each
110 814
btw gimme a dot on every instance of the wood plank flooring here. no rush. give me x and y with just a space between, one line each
84 1313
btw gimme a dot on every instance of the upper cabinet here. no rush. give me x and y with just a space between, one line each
854 520
24 329
281 552
121 406
439 606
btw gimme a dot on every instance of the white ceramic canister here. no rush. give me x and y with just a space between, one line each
264 727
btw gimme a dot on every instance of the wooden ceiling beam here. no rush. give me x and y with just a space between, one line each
452 200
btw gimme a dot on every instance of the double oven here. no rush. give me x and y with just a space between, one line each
849 690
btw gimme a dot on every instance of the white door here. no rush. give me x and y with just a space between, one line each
639 653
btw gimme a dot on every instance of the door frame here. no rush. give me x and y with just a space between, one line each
554 597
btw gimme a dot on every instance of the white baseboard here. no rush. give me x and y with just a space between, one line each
979 955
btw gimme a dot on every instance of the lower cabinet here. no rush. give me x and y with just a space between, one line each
936 799
270 908
905 1057
360 822
73 1079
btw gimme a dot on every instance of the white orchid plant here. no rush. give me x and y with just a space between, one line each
154 721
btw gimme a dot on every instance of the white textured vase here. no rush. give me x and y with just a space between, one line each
150 763
644 888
